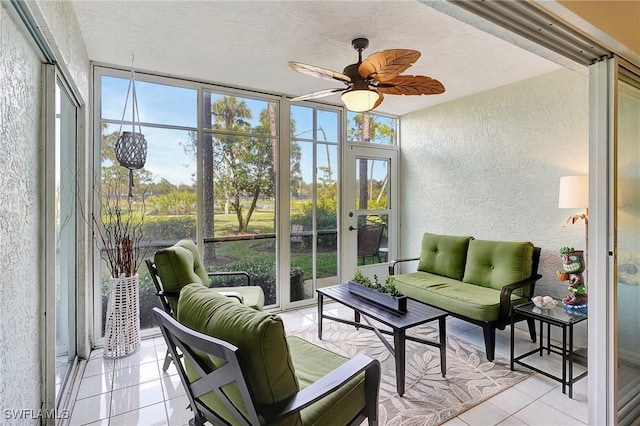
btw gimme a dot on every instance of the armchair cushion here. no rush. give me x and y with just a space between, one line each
260 338
497 263
178 266
444 255
337 408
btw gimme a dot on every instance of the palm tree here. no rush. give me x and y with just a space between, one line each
227 113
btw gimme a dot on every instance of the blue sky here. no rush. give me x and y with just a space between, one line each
176 106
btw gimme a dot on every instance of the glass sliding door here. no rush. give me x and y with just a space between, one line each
64 200
627 268
314 182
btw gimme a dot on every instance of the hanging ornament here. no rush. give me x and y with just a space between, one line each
131 147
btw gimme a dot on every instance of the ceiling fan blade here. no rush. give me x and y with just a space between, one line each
314 71
318 94
388 64
411 85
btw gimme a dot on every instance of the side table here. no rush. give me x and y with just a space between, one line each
558 316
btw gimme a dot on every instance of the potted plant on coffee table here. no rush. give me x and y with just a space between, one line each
385 295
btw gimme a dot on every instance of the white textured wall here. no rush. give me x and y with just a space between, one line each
57 20
20 376
489 166
21 243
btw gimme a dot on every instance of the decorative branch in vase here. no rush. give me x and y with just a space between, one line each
118 229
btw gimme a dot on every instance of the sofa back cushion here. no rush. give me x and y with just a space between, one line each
497 263
444 255
260 337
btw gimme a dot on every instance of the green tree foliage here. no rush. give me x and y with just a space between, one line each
163 187
243 163
243 157
175 203
368 127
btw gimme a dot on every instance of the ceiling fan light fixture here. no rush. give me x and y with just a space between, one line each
360 100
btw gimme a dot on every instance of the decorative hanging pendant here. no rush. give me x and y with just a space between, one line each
131 152
131 147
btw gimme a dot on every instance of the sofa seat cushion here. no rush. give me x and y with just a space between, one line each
494 264
263 351
312 362
468 300
443 255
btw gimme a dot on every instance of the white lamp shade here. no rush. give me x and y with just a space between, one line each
360 100
574 192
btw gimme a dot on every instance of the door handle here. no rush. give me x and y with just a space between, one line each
351 228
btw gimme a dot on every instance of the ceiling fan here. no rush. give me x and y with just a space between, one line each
367 80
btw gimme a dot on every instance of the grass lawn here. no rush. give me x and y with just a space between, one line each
263 250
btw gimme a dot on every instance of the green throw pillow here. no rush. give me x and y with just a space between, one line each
497 263
444 255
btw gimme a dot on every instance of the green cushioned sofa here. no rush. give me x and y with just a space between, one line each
282 380
475 280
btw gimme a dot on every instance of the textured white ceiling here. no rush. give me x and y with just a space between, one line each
248 44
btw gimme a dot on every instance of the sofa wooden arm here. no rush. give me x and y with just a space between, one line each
507 290
230 273
333 381
394 262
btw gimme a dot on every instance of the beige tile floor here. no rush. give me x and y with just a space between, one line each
135 391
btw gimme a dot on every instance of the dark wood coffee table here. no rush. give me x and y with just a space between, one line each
417 313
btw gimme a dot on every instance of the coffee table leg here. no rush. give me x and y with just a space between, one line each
399 337
442 325
320 305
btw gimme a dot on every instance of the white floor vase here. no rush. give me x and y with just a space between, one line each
122 324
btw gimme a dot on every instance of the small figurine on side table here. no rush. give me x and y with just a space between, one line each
573 265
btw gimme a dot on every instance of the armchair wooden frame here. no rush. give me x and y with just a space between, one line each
179 337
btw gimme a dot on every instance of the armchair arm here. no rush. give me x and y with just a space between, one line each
163 293
232 294
230 273
507 290
334 380
394 262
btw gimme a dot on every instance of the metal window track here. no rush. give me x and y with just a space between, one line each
526 19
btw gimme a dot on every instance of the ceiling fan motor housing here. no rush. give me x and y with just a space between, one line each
351 71
360 43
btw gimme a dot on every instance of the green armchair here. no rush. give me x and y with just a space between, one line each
240 368
179 265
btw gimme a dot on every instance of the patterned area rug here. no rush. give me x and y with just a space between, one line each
429 398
